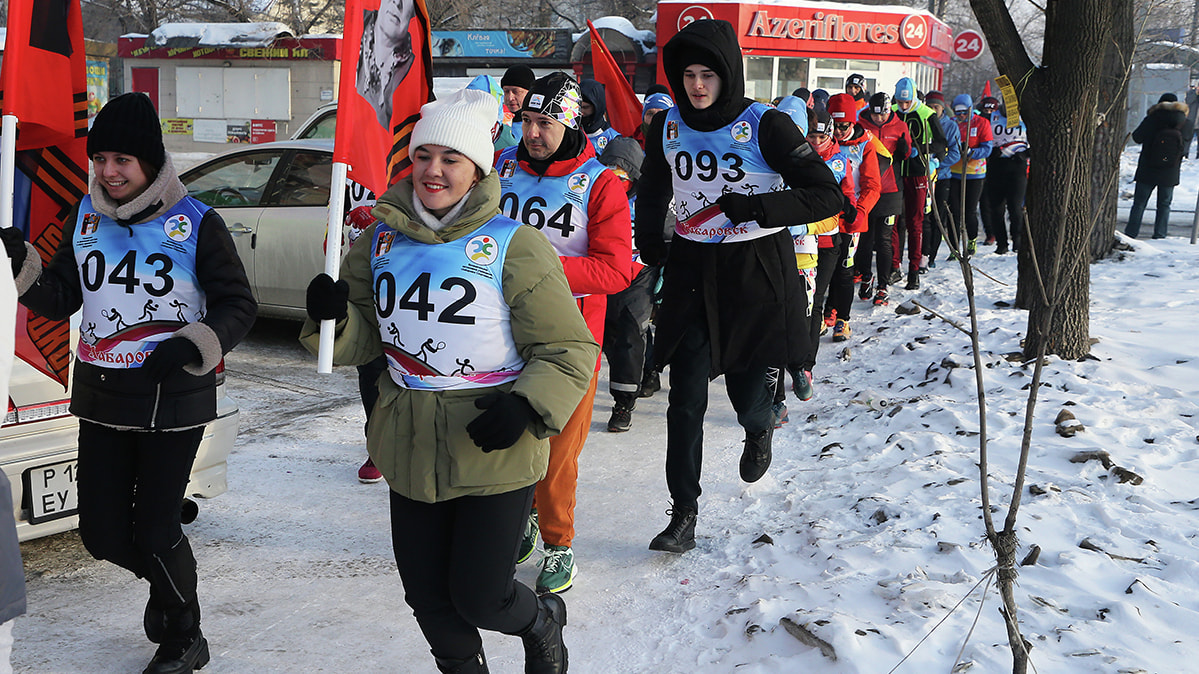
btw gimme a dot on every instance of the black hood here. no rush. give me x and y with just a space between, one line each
593 93
713 43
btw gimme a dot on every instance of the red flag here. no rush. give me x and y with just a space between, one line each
386 75
987 89
624 110
43 83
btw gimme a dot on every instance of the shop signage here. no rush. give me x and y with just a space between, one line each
968 45
290 49
535 44
819 29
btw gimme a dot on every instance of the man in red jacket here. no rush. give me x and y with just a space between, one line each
553 181
893 133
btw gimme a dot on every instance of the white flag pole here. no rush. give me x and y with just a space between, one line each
337 199
8 167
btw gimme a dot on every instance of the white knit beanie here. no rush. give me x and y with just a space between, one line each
462 121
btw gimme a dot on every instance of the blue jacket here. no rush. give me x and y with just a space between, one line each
953 138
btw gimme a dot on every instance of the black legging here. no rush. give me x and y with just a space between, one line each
131 488
457 560
1007 181
974 190
826 266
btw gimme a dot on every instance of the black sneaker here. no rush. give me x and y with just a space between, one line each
679 535
651 383
880 298
896 277
179 654
622 417
866 289
755 458
913 281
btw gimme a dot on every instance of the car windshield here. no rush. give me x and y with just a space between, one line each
239 180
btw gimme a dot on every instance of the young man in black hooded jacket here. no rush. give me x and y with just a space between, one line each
740 174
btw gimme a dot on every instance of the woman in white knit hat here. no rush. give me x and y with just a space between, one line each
487 357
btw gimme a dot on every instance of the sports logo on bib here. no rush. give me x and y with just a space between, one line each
508 169
741 132
482 250
837 165
383 245
601 142
91 221
672 130
178 227
578 182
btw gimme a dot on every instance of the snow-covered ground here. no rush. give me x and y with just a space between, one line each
872 513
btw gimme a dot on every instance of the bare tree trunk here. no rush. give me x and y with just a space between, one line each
1110 135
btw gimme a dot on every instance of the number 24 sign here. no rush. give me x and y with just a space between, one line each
968 45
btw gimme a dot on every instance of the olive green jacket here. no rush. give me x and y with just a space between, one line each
418 439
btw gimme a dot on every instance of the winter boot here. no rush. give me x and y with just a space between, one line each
880 298
913 281
755 458
622 412
183 648
476 664
558 570
651 383
545 653
679 535
529 542
841 332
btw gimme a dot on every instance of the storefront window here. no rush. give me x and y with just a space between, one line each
834 85
759 78
793 74
870 66
830 64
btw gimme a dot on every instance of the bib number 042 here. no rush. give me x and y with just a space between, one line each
416 298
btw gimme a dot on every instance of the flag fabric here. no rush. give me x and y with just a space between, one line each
43 83
987 89
624 110
386 75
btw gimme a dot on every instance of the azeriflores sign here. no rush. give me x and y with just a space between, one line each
820 29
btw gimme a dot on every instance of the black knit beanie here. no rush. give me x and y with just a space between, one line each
518 76
129 125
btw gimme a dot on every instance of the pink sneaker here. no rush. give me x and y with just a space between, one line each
368 474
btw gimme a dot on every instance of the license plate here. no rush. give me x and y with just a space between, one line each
52 490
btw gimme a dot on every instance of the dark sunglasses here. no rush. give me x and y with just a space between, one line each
843 125
960 112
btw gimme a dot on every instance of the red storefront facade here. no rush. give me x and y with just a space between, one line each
791 44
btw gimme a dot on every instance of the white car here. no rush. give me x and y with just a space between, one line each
38 446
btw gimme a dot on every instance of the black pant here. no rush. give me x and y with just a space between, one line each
457 560
131 489
876 240
974 190
625 328
932 235
1007 182
841 286
689 368
826 266
368 385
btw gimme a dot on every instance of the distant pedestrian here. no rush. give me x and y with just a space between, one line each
1162 135
1193 117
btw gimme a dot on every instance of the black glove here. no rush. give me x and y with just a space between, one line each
14 245
170 355
741 208
327 299
849 212
504 419
652 251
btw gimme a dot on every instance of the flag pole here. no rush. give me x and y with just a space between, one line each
337 199
8 166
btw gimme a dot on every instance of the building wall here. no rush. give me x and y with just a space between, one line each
1148 82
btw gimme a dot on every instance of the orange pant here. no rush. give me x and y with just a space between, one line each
555 495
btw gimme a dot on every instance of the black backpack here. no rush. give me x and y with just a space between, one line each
1165 148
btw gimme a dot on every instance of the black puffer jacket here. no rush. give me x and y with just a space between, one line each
1162 117
749 294
127 398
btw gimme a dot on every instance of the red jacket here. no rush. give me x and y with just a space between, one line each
867 178
894 136
823 240
605 269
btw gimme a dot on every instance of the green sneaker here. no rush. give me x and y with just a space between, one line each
558 570
529 542
972 247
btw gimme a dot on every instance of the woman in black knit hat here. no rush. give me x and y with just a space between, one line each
163 298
